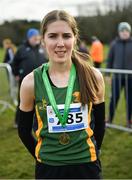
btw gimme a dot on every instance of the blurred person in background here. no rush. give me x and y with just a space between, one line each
83 47
29 56
10 50
120 57
97 52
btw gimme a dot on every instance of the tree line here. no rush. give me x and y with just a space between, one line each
102 26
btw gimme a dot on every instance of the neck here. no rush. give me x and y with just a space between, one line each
60 68
59 73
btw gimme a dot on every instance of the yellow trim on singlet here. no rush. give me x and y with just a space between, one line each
39 139
90 133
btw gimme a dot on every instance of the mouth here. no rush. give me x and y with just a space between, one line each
60 53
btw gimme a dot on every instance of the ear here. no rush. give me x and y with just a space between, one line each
43 43
75 43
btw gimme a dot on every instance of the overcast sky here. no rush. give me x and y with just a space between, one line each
36 9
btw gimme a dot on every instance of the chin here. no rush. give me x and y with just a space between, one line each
60 60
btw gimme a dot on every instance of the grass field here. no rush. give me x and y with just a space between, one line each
17 163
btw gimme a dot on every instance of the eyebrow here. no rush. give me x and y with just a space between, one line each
67 33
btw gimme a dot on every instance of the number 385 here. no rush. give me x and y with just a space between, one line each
71 118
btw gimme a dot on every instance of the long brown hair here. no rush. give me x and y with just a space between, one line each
87 80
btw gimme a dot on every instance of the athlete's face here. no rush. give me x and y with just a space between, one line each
59 41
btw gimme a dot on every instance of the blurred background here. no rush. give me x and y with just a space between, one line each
98 17
95 18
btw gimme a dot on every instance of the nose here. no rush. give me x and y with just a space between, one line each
60 42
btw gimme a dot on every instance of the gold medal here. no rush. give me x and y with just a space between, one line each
64 139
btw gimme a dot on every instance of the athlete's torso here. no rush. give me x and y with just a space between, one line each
81 147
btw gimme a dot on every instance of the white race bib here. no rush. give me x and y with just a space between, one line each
77 118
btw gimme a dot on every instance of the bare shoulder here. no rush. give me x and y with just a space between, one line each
28 82
98 74
27 93
101 93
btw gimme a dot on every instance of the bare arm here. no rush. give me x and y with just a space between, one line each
26 113
27 93
101 93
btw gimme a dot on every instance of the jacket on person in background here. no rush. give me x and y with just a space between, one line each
27 59
120 54
96 51
9 56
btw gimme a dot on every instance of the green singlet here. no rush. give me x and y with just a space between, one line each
80 149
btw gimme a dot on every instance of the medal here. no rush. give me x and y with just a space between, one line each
64 139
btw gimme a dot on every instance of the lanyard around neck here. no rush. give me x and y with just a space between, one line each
62 118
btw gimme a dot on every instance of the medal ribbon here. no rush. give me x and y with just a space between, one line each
62 118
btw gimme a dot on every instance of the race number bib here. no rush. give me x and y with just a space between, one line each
77 118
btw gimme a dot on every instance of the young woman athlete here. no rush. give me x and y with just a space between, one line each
65 100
